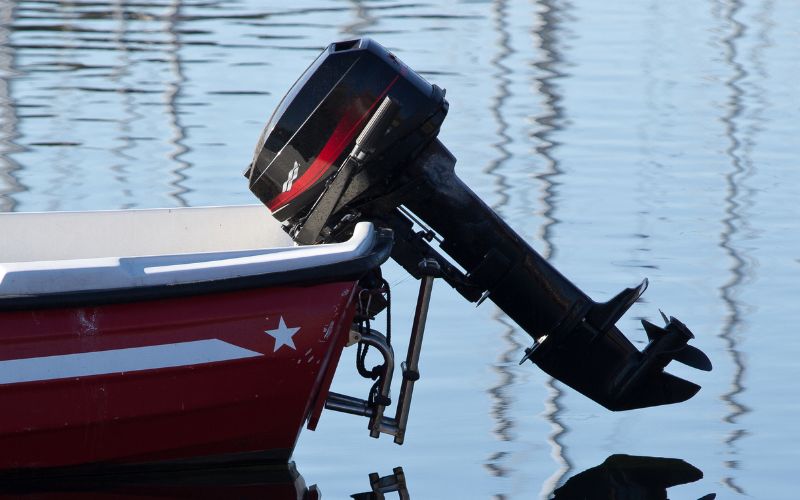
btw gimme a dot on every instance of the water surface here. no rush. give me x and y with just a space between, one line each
622 139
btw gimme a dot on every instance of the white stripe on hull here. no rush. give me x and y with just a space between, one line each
129 359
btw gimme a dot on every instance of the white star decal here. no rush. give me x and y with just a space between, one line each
283 335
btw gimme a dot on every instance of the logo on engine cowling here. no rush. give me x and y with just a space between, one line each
287 184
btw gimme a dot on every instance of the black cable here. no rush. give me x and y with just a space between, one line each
378 372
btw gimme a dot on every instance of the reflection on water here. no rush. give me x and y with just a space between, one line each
626 476
734 227
502 400
380 486
173 95
496 463
548 123
619 476
251 481
248 481
500 77
9 184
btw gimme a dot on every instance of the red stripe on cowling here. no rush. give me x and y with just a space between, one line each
338 140
342 135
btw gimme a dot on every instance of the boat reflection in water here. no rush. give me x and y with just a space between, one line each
279 481
630 477
618 477
264 480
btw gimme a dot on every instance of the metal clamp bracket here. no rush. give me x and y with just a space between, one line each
378 423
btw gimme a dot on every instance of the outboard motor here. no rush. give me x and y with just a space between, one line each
355 139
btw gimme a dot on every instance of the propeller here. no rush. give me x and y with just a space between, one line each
675 337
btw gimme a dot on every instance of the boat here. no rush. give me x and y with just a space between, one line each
152 335
205 334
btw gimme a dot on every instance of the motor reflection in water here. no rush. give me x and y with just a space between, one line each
620 477
630 477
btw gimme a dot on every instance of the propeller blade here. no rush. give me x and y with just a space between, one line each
694 357
653 332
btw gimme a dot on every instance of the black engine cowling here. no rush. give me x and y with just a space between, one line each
318 121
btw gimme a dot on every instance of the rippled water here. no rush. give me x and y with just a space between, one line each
622 139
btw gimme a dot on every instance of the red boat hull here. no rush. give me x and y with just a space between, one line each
200 376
